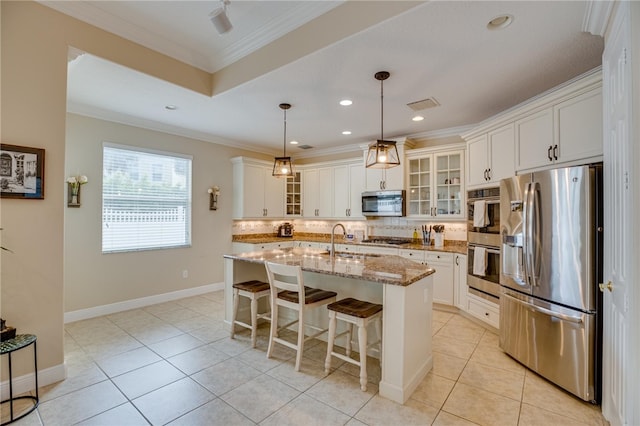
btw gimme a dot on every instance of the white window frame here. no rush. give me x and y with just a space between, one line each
134 219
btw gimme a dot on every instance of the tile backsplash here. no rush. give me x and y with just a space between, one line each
388 227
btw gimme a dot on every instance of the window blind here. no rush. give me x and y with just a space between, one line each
146 199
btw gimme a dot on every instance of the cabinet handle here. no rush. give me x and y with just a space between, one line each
457 260
555 152
549 153
489 174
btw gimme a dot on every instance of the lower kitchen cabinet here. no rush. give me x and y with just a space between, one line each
415 255
443 278
245 247
460 288
483 309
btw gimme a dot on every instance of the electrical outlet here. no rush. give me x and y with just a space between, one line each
242 226
185 274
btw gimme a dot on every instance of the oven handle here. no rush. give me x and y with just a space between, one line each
489 250
564 317
472 200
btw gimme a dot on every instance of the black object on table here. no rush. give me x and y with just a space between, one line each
8 347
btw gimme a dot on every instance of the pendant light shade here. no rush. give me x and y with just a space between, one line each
382 154
283 166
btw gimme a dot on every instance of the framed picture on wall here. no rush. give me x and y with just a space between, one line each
21 172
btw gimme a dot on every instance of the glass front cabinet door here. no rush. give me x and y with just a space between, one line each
436 186
293 195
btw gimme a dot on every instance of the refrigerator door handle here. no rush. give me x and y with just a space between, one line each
526 234
545 311
535 234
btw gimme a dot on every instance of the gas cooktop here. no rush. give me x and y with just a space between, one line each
385 240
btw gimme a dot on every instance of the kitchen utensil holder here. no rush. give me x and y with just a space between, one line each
438 239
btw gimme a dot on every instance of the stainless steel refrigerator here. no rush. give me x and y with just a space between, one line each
551 263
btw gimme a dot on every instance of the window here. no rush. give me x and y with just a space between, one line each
146 199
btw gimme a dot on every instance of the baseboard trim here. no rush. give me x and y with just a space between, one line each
126 305
27 383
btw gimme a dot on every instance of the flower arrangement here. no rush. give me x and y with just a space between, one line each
74 183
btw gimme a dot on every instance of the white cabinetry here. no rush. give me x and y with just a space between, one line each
378 250
567 131
312 245
483 310
435 183
348 185
293 195
317 193
561 126
443 277
460 288
415 255
491 157
257 194
534 133
247 247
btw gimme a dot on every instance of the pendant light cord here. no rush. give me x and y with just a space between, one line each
381 110
285 133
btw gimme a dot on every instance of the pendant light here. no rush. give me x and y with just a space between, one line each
282 166
382 154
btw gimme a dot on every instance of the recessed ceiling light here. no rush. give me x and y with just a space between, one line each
346 102
294 142
418 118
346 132
171 107
500 22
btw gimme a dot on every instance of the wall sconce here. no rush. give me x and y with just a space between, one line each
213 197
74 183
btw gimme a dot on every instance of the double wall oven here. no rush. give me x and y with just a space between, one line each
484 280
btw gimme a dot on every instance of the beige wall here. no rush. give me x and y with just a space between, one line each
94 279
35 40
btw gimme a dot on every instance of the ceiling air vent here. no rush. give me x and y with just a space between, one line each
305 146
423 104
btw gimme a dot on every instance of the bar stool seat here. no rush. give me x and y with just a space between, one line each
359 313
253 290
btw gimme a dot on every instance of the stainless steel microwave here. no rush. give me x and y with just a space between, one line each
383 203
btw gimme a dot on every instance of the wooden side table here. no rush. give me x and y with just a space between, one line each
8 347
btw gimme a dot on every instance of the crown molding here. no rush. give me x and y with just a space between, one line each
596 17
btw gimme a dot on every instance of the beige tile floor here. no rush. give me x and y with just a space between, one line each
174 363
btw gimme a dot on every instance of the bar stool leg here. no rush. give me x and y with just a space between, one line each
273 331
362 341
300 339
330 340
378 326
254 319
349 338
236 300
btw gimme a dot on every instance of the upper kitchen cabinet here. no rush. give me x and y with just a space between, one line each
317 192
560 126
490 157
348 185
570 130
435 183
293 195
257 194
386 179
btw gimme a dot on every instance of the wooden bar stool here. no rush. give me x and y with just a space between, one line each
288 290
359 313
254 290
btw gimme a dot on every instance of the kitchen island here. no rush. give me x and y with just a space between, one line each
403 287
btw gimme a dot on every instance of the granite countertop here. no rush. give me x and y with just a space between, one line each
450 246
394 270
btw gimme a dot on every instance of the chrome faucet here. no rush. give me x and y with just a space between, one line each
333 230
